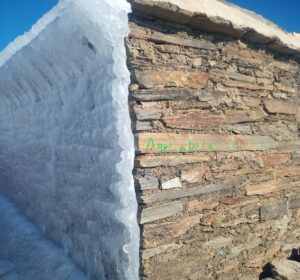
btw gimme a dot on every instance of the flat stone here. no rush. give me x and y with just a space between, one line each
176 143
171 160
171 184
171 229
195 120
194 175
282 107
288 67
163 249
285 269
241 116
196 205
177 94
267 187
287 171
286 88
194 191
159 212
294 203
276 158
161 79
142 126
159 37
247 85
252 102
147 183
273 210
217 243
144 114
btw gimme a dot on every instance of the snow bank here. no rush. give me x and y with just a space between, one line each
66 145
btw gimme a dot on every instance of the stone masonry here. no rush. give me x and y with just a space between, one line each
217 169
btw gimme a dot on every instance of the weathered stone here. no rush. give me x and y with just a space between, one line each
273 210
195 120
161 79
234 202
246 85
194 175
159 37
283 107
167 142
288 171
172 160
171 184
288 67
294 203
252 102
217 243
142 126
160 212
286 88
147 183
144 114
171 229
198 205
285 269
224 75
239 116
241 128
276 158
267 187
177 94
195 191
163 249
264 81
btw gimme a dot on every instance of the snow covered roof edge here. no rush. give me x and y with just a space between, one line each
221 16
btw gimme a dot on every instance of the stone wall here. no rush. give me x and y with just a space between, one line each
216 123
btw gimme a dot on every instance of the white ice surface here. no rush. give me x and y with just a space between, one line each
66 145
26 254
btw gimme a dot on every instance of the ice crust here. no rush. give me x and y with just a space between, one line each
66 144
38 258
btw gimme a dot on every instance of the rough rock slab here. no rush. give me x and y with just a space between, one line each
171 160
194 191
160 212
285 269
266 187
147 183
162 79
177 94
168 142
195 120
282 107
273 210
242 116
163 249
171 184
159 37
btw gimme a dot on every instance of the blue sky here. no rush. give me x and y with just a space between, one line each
17 16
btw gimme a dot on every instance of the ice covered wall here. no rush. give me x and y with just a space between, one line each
66 146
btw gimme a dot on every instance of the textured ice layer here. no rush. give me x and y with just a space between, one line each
66 145
38 258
